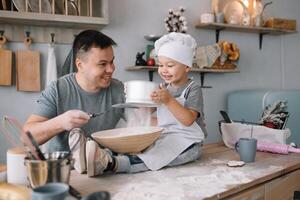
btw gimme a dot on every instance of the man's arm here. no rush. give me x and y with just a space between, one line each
44 129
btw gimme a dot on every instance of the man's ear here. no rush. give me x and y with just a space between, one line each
78 63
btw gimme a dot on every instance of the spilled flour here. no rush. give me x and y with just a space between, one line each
196 182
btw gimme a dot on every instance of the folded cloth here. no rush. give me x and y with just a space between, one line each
51 71
231 132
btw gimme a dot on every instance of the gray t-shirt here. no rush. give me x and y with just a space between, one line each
194 100
65 94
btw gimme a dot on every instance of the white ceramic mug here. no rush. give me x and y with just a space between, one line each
16 170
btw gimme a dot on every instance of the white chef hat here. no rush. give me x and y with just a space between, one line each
177 46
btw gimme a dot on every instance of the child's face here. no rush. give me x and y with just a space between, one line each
172 71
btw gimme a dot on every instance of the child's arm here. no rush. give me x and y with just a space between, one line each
186 116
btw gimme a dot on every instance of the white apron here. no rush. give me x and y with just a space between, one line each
175 139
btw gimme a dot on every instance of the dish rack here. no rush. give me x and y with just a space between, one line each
88 8
64 18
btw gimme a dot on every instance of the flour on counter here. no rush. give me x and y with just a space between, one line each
196 183
150 191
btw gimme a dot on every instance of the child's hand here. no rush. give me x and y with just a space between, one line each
161 95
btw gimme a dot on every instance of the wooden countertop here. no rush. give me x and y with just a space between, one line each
209 177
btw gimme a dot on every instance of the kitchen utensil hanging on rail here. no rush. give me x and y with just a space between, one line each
28 68
6 62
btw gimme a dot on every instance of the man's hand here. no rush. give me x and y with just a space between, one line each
73 119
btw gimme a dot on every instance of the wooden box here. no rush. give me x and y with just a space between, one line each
279 23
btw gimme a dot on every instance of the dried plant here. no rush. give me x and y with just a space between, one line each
275 113
175 21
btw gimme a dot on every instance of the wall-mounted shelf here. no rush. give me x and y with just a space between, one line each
64 20
152 69
218 27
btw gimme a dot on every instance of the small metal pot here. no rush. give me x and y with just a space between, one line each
56 168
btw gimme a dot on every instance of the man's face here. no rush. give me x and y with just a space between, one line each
96 67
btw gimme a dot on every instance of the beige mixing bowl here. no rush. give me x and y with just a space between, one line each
128 140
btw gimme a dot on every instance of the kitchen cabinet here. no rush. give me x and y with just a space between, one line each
202 72
63 18
261 31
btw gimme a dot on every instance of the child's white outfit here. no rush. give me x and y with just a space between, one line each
175 139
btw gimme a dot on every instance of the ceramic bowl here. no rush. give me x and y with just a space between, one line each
128 140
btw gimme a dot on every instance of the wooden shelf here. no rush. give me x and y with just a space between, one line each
238 28
45 19
152 69
249 29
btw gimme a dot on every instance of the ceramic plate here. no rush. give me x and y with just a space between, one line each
152 38
20 5
6 4
60 7
34 6
233 12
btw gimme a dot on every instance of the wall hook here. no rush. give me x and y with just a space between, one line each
2 38
27 39
27 33
52 37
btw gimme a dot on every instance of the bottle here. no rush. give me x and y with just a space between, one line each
246 18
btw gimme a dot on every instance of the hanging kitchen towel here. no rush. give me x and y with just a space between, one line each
51 72
69 66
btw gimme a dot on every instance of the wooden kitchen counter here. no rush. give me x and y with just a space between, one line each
270 177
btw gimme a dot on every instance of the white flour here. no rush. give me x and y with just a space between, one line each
138 117
193 183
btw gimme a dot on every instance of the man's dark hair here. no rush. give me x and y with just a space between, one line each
88 39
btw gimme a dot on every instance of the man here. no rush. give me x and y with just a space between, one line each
66 103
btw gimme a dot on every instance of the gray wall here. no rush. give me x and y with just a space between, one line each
276 66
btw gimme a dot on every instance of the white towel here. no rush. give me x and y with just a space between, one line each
51 72
231 132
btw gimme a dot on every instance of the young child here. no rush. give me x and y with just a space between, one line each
180 114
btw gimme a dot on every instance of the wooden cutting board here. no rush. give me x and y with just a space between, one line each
28 69
5 64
